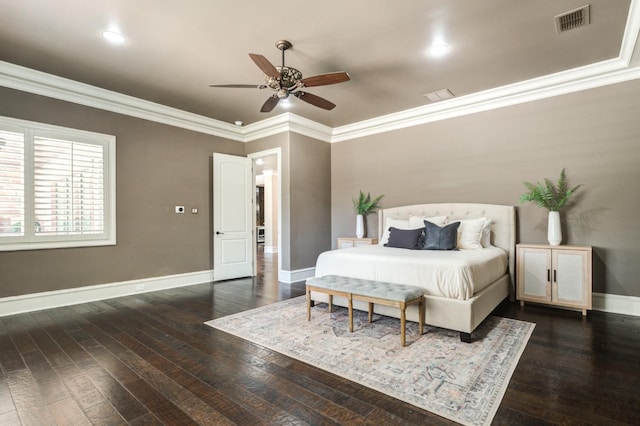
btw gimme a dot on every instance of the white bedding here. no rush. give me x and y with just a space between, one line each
451 274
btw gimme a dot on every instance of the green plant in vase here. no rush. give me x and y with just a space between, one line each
364 205
554 198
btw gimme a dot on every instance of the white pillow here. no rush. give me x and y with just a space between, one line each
485 241
416 222
470 233
396 223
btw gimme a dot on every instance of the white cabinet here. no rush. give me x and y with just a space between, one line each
346 242
554 275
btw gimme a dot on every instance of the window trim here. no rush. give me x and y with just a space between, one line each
29 241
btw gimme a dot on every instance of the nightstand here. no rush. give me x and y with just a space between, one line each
554 275
346 242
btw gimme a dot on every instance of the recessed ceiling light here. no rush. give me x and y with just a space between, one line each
439 49
114 37
239 123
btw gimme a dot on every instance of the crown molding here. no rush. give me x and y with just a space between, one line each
287 122
591 76
631 32
40 83
583 78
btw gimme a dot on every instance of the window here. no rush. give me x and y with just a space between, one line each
57 187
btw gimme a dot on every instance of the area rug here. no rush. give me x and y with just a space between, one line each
463 382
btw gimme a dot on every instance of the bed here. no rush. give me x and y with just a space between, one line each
461 287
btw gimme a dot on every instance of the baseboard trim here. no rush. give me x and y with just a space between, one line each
616 304
54 299
612 303
297 275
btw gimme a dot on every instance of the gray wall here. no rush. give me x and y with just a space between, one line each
477 158
484 158
158 167
310 165
306 197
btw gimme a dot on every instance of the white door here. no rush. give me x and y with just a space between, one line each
233 218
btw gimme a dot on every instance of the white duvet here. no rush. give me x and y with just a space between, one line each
452 274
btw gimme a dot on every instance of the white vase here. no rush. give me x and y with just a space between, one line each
359 226
554 232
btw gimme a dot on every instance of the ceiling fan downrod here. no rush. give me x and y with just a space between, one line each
283 45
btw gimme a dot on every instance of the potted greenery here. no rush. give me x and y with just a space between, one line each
553 198
364 205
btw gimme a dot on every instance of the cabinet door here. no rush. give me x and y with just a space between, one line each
344 243
534 274
570 277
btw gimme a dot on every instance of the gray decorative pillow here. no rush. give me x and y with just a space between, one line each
437 238
405 238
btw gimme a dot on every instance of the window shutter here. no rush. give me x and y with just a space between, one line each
12 184
68 187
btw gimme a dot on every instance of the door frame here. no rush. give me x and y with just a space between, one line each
253 156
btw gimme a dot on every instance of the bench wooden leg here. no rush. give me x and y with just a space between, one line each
350 313
403 323
370 312
421 315
330 308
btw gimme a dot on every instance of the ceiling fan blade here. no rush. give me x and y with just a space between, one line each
264 64
270 104
315 100
325 79
240 86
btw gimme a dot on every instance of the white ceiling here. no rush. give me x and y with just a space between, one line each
175 49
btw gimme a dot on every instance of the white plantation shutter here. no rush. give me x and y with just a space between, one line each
57 187
11 184
68 187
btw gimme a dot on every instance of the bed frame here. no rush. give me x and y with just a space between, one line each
459 315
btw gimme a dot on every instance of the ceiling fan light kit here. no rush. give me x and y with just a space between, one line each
284 81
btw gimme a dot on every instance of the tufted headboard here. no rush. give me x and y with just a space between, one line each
503 222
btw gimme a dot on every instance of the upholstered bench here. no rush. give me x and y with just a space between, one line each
384 293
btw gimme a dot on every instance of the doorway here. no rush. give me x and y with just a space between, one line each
268 207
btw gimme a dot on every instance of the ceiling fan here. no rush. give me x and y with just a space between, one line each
285 81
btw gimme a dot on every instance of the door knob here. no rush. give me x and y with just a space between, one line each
219 233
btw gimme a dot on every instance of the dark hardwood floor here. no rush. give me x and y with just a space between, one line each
148 359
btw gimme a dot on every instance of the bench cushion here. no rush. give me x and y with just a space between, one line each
378 289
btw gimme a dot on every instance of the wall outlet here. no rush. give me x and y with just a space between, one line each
179 209
194 211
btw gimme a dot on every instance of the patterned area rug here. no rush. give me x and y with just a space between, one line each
462 382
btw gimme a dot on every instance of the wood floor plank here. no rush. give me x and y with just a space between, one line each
28 399
125 404
84 391
10 418
6 401
103 413
67 412
200 381
51 386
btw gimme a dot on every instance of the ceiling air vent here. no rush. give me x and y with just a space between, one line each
573 19
440 95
